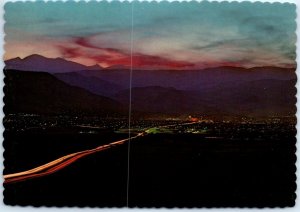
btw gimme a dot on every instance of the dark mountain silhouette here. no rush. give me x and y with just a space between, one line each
92 84
156 99
179 79
255 98
42 93
94 67
223 90
116 76
192 79
43 64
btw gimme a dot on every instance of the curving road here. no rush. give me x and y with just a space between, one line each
60 163
66 160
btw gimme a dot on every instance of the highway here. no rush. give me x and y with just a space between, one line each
66 160
60 163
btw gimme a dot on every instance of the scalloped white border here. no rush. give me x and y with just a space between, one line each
4 208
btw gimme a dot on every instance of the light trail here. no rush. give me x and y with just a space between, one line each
66 160
60 163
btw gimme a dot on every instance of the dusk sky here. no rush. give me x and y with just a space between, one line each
165 35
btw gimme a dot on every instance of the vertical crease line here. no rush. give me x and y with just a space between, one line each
129 110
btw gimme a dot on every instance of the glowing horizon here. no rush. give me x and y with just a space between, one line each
160 36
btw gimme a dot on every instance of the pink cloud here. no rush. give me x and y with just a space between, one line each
82 47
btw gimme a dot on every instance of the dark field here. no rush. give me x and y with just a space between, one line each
226 164
186 171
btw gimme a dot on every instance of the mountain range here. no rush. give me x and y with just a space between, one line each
42 93
256 98
43 64
68 86
93 84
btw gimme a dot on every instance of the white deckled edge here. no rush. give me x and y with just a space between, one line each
4 208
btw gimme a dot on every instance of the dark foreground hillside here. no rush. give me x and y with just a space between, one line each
42 93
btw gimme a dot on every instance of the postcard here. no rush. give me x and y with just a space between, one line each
150 105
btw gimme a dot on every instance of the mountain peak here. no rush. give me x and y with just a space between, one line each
35 56
40 63
95 67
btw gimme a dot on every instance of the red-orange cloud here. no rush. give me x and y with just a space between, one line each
81 47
